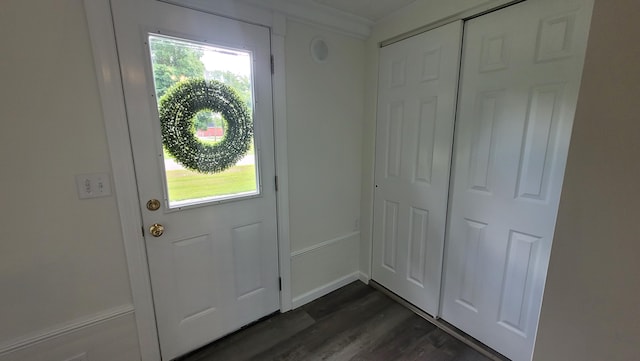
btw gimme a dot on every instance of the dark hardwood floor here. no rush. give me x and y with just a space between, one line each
355 323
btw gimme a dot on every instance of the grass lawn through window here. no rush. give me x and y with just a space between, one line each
186 184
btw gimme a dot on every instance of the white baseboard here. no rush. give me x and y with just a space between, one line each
364 278
64 329
324 289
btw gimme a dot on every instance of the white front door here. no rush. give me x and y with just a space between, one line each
215 268
416 111
521 73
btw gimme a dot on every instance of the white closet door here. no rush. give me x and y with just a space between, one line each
416 108
520 78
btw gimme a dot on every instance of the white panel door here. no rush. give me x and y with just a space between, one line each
215 268
416 107
520 77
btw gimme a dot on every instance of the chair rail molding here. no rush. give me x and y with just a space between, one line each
64 329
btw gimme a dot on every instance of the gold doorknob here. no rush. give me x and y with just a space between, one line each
156 230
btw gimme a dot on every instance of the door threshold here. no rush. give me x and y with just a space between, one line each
443 325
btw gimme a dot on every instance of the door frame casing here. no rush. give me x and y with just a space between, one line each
104 49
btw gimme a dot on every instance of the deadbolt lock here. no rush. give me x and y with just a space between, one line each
153 205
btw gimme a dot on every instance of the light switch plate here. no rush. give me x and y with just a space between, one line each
93 185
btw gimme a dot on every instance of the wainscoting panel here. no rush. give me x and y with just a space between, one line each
106 336
324 267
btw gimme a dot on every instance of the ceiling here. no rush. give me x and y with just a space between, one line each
372 10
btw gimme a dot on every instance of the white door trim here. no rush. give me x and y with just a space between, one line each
278 32
103 43
105 57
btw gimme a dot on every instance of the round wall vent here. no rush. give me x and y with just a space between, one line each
319 50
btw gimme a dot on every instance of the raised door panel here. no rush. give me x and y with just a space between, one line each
519 271
418 238
423 168
192 266
390 235
539 143
474 237
394 129
489 106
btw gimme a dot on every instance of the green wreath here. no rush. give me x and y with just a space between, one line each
178 108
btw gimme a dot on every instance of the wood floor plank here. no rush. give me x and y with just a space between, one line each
303 346
325 306
400 341
460 351
354 323
256 339
364 336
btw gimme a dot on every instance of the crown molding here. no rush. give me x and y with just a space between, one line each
233 9
263 12
307 11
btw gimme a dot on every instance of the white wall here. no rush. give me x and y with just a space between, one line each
61 258
324 122
590 310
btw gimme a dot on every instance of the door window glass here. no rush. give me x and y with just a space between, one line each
190 177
